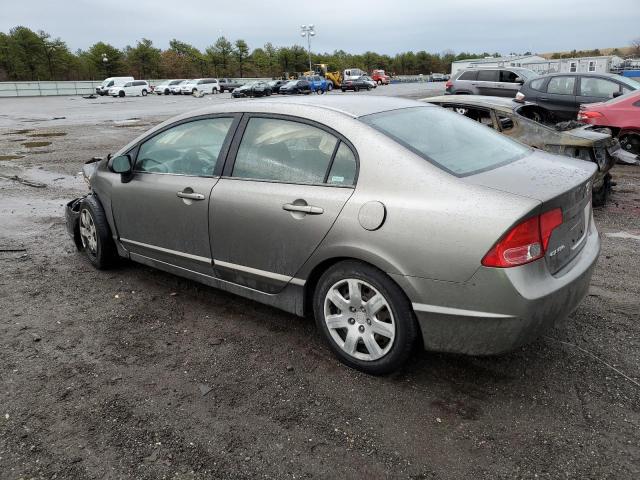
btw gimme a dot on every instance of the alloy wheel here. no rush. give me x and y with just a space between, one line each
88 233
359 319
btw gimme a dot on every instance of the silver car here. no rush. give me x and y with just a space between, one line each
395 223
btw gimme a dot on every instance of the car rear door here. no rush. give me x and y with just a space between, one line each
161 211
560 97
282 190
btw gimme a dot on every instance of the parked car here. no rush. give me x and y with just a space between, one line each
164 88
559 95
228 85
204 85
621 114
318 83
438 77
495 255
380 77
498 82
107 83
296 87
130 89
252 89
516 120
275 85
177 88
356 85
370 81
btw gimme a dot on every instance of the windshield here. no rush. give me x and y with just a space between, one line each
630 82
291 83
450 141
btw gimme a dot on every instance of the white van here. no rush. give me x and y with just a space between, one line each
129 89
204 85
110 82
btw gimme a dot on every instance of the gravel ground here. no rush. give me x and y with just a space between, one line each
135 373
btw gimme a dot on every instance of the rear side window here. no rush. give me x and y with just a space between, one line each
537 84
487 75
284 151
450 141
187 149
561 85
469 75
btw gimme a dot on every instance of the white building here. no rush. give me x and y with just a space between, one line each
488 62
602 64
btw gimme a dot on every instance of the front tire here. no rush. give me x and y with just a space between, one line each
95 234
121 94
365 317
144 93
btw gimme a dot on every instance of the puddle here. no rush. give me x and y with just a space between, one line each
51 134
10 157
17 139
20 132
36 144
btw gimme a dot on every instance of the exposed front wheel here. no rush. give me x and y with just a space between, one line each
365 317
95 234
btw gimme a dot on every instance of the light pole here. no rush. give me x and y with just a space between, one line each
308 31
105 60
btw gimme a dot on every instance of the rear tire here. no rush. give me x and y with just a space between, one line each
121 94
599 197
95 234
630 142
374 336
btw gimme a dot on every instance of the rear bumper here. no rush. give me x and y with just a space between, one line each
499 310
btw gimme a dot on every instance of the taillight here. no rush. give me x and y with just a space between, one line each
449 84
588 115
525 242
520 97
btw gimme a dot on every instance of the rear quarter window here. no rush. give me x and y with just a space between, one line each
537 84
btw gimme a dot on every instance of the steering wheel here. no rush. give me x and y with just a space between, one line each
194 162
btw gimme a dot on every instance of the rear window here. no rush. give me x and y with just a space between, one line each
450 141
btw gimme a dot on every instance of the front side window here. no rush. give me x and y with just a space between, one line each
284 151
508 76
598 87
187 149
561 85
451 142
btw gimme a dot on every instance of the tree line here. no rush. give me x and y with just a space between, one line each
35 55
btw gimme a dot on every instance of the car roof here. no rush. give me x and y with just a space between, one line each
581 74
498 103
351 105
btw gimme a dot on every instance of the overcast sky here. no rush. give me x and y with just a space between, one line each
384 26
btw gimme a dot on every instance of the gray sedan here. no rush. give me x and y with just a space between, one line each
393 222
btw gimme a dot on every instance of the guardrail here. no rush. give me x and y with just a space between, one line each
81 87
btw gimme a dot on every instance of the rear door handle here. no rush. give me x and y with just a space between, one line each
311 210
544 99
190 195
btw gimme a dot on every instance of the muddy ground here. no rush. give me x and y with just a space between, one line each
135 373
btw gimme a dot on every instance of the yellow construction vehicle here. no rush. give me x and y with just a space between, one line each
334 79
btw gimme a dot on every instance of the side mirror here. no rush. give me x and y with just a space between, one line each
121 164
520 80
616 94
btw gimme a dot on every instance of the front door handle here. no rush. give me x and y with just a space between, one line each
544 99
311 210
190 195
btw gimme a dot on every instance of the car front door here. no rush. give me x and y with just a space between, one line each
162 210
560 97
596 89
278 199
507 86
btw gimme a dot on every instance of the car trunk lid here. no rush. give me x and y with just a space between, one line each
556 182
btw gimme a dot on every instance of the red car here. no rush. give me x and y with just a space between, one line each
622 114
